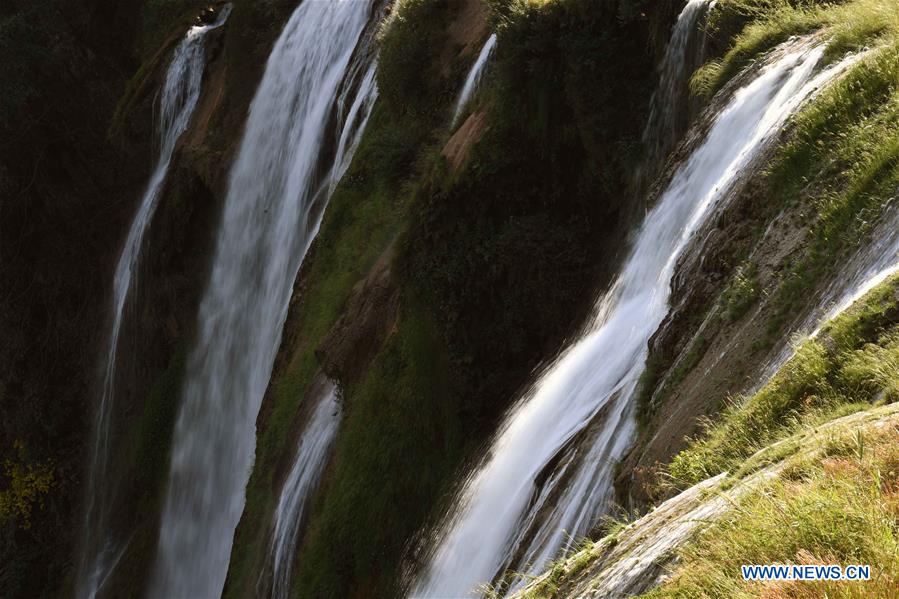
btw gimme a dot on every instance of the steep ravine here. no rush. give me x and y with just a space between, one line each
648 552
397 300
458 254
738 302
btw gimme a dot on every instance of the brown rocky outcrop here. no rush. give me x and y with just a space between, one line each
459 146
369 317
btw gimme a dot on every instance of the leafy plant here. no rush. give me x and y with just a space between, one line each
27 485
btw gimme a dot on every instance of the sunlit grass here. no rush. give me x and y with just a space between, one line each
766 23
854 360
837 508
843 162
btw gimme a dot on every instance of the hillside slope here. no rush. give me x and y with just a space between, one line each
818 489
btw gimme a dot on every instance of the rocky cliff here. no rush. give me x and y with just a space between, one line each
453 262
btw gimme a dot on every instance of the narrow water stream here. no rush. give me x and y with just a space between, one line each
547 476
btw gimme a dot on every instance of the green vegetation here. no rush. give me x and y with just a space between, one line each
26 485
144 463
386 476
536 217
854 361
476 251
409 78
847 143
751 27
742 293
365 216
363 219
837 508
568 569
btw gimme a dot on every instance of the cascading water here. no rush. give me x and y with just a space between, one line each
272 212
312 454
178 100
474 77
316 440
356 119
871 265
548 474
669 115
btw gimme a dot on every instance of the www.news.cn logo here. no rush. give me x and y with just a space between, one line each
805 572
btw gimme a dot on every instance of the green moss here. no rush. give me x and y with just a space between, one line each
366 214
405 393
362 219
146 460
409 77
153 433
565 570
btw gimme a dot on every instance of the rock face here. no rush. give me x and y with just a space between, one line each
465 33
68 188
459 145
640 556
715 341
369 317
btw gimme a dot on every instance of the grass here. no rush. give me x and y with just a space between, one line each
844 161
752 27
566 569
841 509
852 362
742 293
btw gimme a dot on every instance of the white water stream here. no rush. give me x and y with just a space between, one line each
871 265
473 79
355 121
669 109
272 211
547 476
178 99
311 457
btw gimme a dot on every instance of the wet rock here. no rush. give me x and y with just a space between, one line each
369 318
207 16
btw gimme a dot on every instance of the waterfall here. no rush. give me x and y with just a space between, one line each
669 115
180 93
318 435
870 266
355 121
312 454
474 78
547 475
277 188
